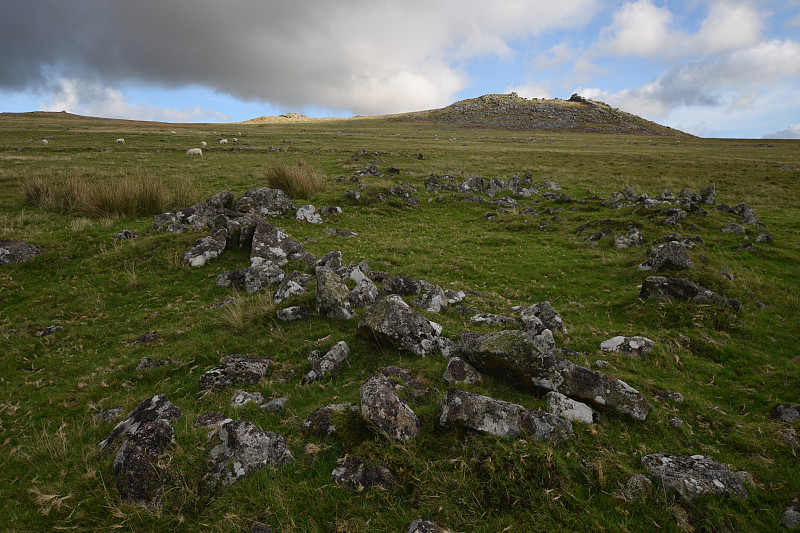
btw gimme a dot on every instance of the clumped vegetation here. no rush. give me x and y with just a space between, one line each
298 181
69 199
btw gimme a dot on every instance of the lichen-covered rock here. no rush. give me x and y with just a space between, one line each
632 238
382 407
791 517
17 251
540 316
329 362
661 288
292 285
670 256
238 448
692 476
124 235
332 296
308 213
252 278
321 421
433 299
409 385
150 409
269 202
424 525
564 407
236 369
138 476
497 417
708 195
515 356
241 398
734 228
401 286
636 346
391 321
145 363
364 294
206 249
786 413
271 245
296 312
638 486
459 371
353 473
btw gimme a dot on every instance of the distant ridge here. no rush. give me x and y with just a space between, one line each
512 112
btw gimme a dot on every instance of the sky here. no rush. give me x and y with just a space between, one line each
713 68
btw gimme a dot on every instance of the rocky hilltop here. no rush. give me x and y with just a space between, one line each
510 111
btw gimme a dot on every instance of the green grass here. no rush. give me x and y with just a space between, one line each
107 293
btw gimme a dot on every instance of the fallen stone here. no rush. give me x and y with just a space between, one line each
296 312
252 278
564 407
150 409
515 356
787 414
241 398
271 245
364 294
328 362
145 363
331 260
332 296
490 319
124 235
17 251
736 229
353 473
238 448
236 369
692 476
150 336
210 420
277 405
633 238
138 476
424 525
46 332
637 487
496 417
433 299
391 321
540 316
268 202
409 385
636 346
308 214
402 286
107 415
292 285
321 422
667 289
663 395
459 371
791 517
670 256
382 407
206 249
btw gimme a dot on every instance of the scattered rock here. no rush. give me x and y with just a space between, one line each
241 398
277 405
210 420
383 408
238 448
145 363
252 278
670 256
402 286
308 214
791 517
107 415
292 285
150 409
637 487
514 355
391 321
424 525
663 395
332 296
661 288
236 369
46 332
17 251
327 363
736 229
676 422
353 473
271 245
151 336
297 312
459 371
692 476
138 475
564 407
636 346
266 202
124 235
787 413
364 294
633 238
320 422
206 249
540 316
496 417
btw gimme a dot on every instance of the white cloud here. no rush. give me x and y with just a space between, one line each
729 26
531 90
643 29
91 98
792 132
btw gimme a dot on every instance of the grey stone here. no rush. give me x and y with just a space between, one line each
491 319
692 476
269 202
638 486
736 229
107 415
382 407
364 294
497 417
308 214
433 299
353 473
321 422
632 238
272 245
791 517
708 195
636 346
138 476
238 448
515 356
402 286
292 285
328 362
124 235
17 251
206 249
276 405
540 316
241 398
210 420
787 413
236 369
221 200
145 363
332 296
331 260
670 256
150 409
666 289
424 525
459 371
252 278
391 321
296 312
564 407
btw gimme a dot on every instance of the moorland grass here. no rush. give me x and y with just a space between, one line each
732 368
298 181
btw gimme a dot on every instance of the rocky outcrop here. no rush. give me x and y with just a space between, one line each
238 448
497 417
382 407
264 202
321 421
236 369
692 476
459 371
666 289
515 356
252 278
271 245
391 321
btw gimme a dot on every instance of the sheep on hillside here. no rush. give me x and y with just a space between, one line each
223 141
235 140
120 141
44 142
203 144
194 151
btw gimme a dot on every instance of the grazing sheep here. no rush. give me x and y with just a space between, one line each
194 151
44 142
235 140
223 141
203 144
120 141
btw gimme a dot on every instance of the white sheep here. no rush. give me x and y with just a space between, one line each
203 144
120 141
223 141
235 140
44 142
194 151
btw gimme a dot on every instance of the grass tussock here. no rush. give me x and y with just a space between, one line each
126 197
298 181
